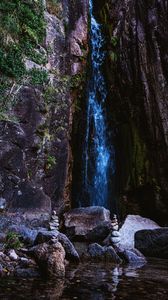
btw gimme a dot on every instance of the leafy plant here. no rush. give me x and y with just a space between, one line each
51 162
21 24
12 241
114 41
38 77
113 56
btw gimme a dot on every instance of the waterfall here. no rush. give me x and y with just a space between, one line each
98 156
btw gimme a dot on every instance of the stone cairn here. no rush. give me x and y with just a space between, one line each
54 223
115 234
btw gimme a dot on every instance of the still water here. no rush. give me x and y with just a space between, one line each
95 282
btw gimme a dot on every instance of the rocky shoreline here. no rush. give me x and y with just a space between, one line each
87 234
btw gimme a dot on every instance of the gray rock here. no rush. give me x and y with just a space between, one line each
1 271
71 253
132 224
99 233
26 272
115 233
55 236
12 255
153 243
2 237
80 221
44 236
28 235
115 239
133 256
3 204
98 252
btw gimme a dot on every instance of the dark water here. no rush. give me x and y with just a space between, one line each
95 282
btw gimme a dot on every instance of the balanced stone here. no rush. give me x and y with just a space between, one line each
115 240
115 226
115 233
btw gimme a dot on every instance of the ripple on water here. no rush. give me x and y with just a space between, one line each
95 282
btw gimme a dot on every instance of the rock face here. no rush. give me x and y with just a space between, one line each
136 68
35 154
80 222
153 243
132 224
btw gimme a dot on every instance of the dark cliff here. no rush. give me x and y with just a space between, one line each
36 119
137 72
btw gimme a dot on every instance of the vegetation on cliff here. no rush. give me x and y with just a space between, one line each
22 31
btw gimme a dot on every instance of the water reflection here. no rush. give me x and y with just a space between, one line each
95 282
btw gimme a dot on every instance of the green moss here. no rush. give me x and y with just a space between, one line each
22 29
10 63
51 162
21 24
13 241
38 77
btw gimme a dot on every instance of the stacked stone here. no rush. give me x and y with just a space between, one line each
54 223
115 234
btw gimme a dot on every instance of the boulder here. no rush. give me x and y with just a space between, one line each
80 221
97 252
50 259
28 235
71 253
44 236
153 243
132 224
133 256
99 233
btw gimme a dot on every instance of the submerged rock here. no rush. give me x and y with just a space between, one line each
132 224
153 243
81 221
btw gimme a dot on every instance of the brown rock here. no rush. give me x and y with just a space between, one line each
50 259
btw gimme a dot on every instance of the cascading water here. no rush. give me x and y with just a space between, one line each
98 156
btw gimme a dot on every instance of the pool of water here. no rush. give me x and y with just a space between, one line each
95 282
